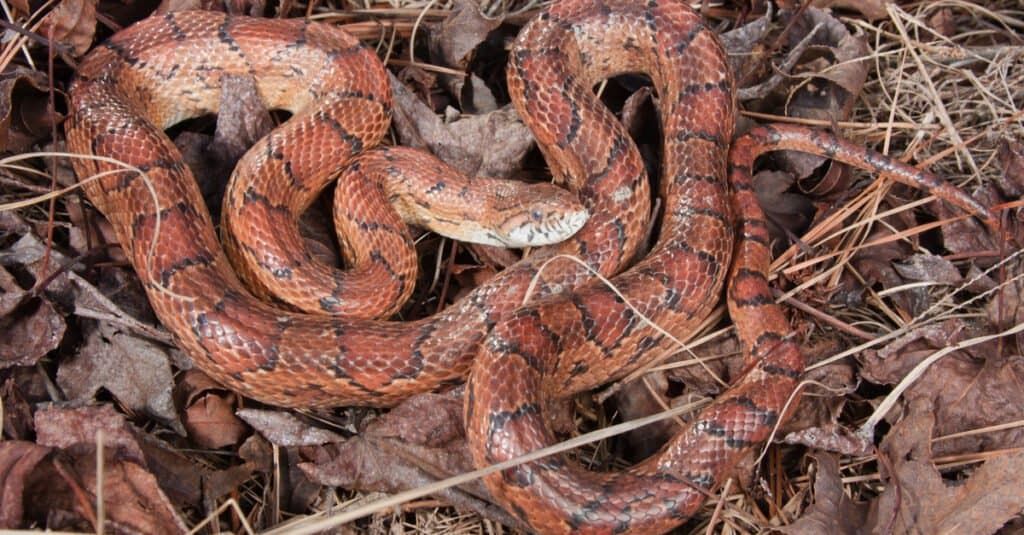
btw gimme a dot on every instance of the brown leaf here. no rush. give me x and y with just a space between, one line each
379 460
876 265
966 236
452 43
72 24
969 394
31 326
637 399
208 411
297 492
832 511
919 500
18 460
891 363
135 370
179 475
242 119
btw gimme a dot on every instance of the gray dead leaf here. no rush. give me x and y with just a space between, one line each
284 429
136 371
492 144
928 267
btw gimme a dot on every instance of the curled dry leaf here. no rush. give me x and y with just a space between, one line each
208 411
787 213
827 83
136 371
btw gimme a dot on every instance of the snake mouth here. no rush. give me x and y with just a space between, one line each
551 230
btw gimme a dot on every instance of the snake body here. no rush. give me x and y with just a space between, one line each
576 334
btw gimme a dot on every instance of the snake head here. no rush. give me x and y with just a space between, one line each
539 214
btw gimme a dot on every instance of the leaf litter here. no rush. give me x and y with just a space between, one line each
883 288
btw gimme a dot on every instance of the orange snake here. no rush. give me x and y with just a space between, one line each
576 334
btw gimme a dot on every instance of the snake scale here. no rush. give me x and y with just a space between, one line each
574 334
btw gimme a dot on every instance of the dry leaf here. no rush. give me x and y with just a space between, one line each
135 370
871 9
832 511
72 24
25 114
208 411
18 460
493 144
285 429
31 326
918 499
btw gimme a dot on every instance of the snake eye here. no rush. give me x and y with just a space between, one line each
536 215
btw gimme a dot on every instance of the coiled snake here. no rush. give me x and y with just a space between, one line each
577 334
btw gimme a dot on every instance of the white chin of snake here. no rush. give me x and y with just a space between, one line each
553 231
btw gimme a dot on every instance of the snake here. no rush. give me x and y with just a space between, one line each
562 320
